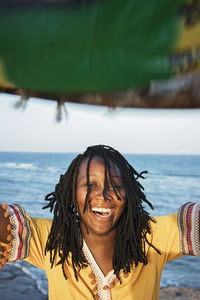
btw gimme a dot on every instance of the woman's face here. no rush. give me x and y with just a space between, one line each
100 217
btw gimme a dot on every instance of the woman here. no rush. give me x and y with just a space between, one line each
101 244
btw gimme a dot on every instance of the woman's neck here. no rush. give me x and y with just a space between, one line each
102 248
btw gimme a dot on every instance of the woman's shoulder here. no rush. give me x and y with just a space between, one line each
39 226
164 223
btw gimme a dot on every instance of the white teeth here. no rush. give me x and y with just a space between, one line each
101 210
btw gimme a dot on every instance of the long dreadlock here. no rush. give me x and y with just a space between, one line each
132 228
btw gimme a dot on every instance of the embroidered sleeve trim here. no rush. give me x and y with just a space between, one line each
189 226
21 233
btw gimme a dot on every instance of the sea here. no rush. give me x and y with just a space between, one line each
171 181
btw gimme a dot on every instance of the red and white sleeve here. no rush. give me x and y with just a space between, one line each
189 226
15 234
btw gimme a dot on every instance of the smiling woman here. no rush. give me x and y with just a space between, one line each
97 181
104 207
101 243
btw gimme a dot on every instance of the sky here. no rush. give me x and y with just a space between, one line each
142 131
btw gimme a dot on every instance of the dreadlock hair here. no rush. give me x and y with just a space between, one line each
132 228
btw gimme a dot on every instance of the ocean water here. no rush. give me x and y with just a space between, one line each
172 180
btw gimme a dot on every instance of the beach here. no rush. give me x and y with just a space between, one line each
17 285
179 293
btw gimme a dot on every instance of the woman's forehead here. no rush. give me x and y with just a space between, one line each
97 164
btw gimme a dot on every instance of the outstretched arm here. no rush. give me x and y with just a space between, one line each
5 235
189 227
22 237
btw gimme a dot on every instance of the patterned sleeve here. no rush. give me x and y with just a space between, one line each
28 237
189 227
21 233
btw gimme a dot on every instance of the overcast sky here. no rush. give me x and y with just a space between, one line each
128 130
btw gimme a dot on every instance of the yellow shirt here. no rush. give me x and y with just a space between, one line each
143 283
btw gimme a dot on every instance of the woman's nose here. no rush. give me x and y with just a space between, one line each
99 191
105 194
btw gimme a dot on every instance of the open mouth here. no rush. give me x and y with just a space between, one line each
101 212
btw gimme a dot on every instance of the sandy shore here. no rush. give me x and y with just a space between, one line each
177 293
16 285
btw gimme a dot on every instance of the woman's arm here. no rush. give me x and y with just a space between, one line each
5 235
189 227
22 236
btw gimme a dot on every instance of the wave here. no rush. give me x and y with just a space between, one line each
168 282
24 166
53 170
35 274
164 175
28 166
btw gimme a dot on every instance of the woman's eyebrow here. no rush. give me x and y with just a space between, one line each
85 176
115 176
94 175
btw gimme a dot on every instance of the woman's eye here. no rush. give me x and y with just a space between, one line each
118 187
92 185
